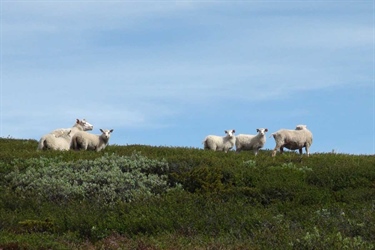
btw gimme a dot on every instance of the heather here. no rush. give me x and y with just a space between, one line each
145 197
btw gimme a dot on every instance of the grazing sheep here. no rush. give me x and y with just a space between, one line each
251 142
299 138
87 141
220 143
50 141
78 126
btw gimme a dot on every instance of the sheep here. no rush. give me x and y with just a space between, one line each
50 138
50 141
86 141
78 126
299 138
220 143
251 142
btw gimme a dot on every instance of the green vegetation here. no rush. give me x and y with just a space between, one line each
143 197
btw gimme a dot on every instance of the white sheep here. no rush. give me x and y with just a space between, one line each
299 138
78 126
86 141
220 143
251 142
50 141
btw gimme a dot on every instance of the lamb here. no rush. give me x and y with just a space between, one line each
86 141
251 142
78 126
50 141
299 138
220 143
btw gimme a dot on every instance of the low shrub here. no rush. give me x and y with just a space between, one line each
106 179
183 198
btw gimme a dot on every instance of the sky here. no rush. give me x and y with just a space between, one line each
169 73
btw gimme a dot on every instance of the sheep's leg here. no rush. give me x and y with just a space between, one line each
300 151
74 144
281 150
274 151
307 151
84 146
256 151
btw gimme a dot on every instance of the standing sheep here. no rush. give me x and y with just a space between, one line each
86 141
220 143
299 138
50 141
251 142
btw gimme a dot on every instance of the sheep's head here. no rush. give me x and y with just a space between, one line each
262 131
106 133
300 127
85 124
230 133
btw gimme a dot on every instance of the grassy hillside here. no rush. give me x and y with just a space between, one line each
143 197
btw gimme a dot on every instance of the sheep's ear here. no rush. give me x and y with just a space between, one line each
257 129
101 130
225 131
69 132
111 131
234 131
77 120
266 130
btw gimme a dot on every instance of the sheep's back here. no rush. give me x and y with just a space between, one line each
50 141
243 138
293 139
245 141
211 141
83 138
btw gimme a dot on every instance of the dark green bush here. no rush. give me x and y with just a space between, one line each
33 226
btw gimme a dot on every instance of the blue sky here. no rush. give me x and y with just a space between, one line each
168 73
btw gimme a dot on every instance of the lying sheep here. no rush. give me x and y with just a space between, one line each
299 138
220 143
78 126
53 138
86 141
251 142
50 141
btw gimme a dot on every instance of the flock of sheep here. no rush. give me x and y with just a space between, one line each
77 138
298 138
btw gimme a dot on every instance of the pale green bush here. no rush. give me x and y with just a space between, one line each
291 166
249 163
318 240
106 179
